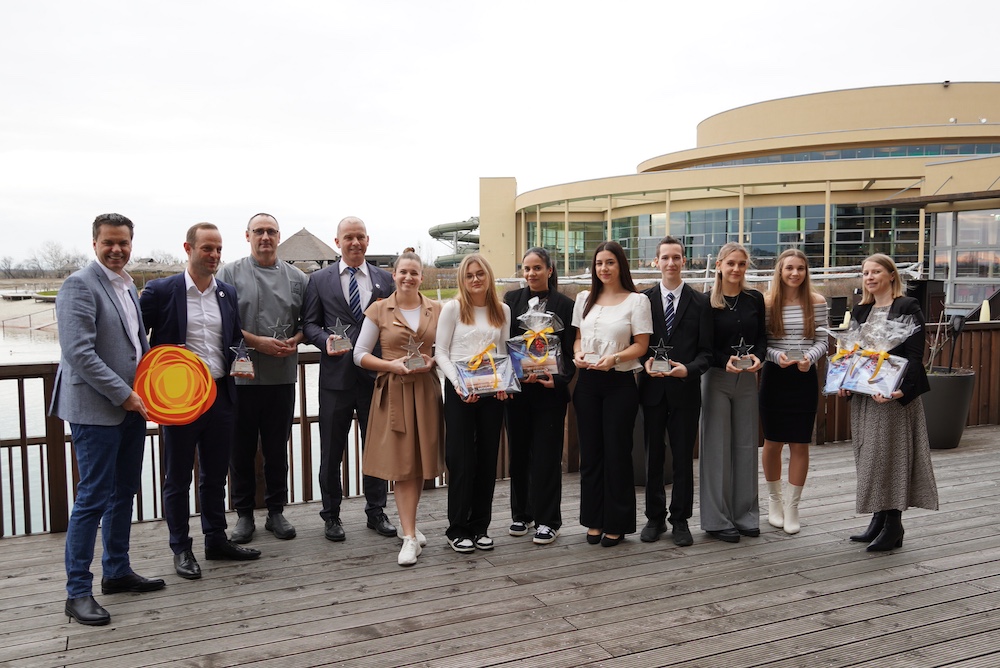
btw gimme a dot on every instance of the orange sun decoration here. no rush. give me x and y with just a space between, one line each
175 384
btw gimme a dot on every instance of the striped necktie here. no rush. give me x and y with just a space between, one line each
354 295
668 313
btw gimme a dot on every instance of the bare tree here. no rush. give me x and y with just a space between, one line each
7 266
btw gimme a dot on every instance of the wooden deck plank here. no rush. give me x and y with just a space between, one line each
811 599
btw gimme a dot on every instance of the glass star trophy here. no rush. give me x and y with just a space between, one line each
593 358
661 358
338 341
413 359
242 365
280 331
742 351
797 354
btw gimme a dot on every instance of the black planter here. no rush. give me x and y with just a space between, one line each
946 406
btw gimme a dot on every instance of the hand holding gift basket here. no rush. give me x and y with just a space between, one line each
486 373
538 350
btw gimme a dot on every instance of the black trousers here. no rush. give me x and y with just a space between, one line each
336 417
535 428
677 415
606 403
211 436
265 413
471 447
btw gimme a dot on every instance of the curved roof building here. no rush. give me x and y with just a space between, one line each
911 170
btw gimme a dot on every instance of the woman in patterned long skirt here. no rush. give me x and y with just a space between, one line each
891 451
789 386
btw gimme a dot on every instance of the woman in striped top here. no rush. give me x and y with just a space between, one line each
789 387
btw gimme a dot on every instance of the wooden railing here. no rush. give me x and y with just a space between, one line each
977 348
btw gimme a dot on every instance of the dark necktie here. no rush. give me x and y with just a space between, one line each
668 313
354 295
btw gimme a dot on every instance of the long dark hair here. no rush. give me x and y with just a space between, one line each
544 254
624 275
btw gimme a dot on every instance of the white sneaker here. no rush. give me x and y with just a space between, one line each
484 542
519 528
421 538
463 545
545 535
411 550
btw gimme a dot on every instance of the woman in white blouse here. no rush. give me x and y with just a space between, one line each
475 319
789 386
613 324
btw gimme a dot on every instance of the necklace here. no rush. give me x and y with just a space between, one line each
731 305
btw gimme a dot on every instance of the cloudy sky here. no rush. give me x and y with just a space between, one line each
177 112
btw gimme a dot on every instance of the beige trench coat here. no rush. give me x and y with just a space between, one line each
405 426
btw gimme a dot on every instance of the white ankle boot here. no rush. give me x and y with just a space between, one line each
775 511
792 509
409 552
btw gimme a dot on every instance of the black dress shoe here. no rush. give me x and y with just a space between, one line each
187 566
334 530
607 541
593 538
652 531
726 535
131 582
85 610
681 534
243 532
231 551
752 533
279 526
382 524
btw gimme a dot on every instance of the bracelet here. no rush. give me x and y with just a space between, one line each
618 359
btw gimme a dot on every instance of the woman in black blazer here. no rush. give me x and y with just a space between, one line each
536 416
891 451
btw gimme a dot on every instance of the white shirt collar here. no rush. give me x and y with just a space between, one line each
189 283
664 291
114 277
363 269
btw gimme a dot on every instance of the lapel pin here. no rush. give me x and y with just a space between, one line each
222 294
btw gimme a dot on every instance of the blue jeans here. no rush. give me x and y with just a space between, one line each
110 463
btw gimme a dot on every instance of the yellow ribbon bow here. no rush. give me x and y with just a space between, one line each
879 357
529 339
843 352
477 360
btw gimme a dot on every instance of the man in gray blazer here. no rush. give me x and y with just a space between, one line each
102 338
342 292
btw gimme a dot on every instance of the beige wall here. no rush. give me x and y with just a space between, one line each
497 224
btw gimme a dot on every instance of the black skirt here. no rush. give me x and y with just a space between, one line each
788 400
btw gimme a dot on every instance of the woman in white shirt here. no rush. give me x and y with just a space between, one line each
475 319
613 324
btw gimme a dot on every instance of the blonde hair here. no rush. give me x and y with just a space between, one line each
886 262
717 299
776 296
494 309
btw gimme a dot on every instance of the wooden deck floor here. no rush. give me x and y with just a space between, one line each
814 599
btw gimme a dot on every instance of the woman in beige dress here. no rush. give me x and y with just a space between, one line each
404 424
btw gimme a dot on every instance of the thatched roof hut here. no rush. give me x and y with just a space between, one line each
305 247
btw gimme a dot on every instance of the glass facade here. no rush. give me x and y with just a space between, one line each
909 151
967 255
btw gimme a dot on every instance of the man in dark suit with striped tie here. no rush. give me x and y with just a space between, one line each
342 292
671 402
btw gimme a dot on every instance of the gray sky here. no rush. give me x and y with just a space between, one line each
177 112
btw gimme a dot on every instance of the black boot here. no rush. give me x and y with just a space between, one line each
873 530
892 533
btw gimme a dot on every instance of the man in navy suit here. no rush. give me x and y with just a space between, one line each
342 292
195 310
102 338
671 402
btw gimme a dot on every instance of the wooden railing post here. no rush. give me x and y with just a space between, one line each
55 456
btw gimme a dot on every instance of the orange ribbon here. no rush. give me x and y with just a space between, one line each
878 357
529 339
477 360
843 352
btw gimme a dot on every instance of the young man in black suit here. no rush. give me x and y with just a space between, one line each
671 401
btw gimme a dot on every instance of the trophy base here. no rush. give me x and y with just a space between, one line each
744 363
242 369
660 366
795 356
340 344
591 358
412 363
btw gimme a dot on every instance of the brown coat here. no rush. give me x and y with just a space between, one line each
404 440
